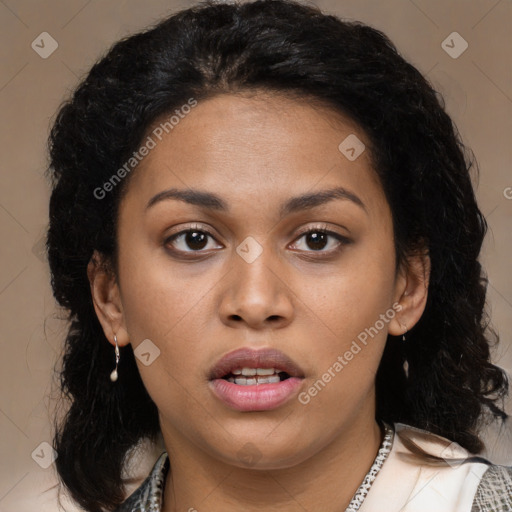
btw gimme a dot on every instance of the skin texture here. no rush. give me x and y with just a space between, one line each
257 151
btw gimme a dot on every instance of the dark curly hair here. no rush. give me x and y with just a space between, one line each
291 48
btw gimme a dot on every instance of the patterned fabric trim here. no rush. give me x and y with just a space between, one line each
494 493
148 497
382 455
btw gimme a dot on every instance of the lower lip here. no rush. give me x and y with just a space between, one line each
257 397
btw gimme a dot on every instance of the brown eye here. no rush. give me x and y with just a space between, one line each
196 240
190 240
316 240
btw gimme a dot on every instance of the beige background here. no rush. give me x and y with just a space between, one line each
477 87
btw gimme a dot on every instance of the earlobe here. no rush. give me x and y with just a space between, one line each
412 290
106 299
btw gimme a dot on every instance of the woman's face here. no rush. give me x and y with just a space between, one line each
254 174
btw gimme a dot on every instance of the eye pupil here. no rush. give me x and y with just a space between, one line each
316 239
194 237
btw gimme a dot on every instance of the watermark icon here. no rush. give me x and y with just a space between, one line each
351 147
147 352
44 45
249 454
39 249
150 143
343 360
44 455
454 454
454 45
507 192
249 249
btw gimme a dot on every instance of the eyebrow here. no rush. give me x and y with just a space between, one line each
212 201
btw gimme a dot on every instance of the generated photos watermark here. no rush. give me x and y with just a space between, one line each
150 143
343 360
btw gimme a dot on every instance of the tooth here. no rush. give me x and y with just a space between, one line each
237 372
268 380
265 371
248 371
243 381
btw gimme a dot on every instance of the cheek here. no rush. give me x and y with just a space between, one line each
166 308
348 315
352 296
156 296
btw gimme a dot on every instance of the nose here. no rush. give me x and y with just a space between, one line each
256 294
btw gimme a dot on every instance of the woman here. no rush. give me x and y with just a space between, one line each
263 227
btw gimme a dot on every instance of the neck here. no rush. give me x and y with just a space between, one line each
324 482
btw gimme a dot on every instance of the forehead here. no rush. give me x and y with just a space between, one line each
256 147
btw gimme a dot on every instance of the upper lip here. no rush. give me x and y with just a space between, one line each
250 358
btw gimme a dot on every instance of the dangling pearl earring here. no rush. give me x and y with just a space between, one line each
113 375
406 363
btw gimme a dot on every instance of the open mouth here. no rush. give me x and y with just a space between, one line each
256 376
255 380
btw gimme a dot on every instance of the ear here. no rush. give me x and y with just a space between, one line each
411 292
106 299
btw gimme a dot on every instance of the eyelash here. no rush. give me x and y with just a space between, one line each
342 240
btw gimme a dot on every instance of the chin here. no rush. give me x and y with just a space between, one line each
261 455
